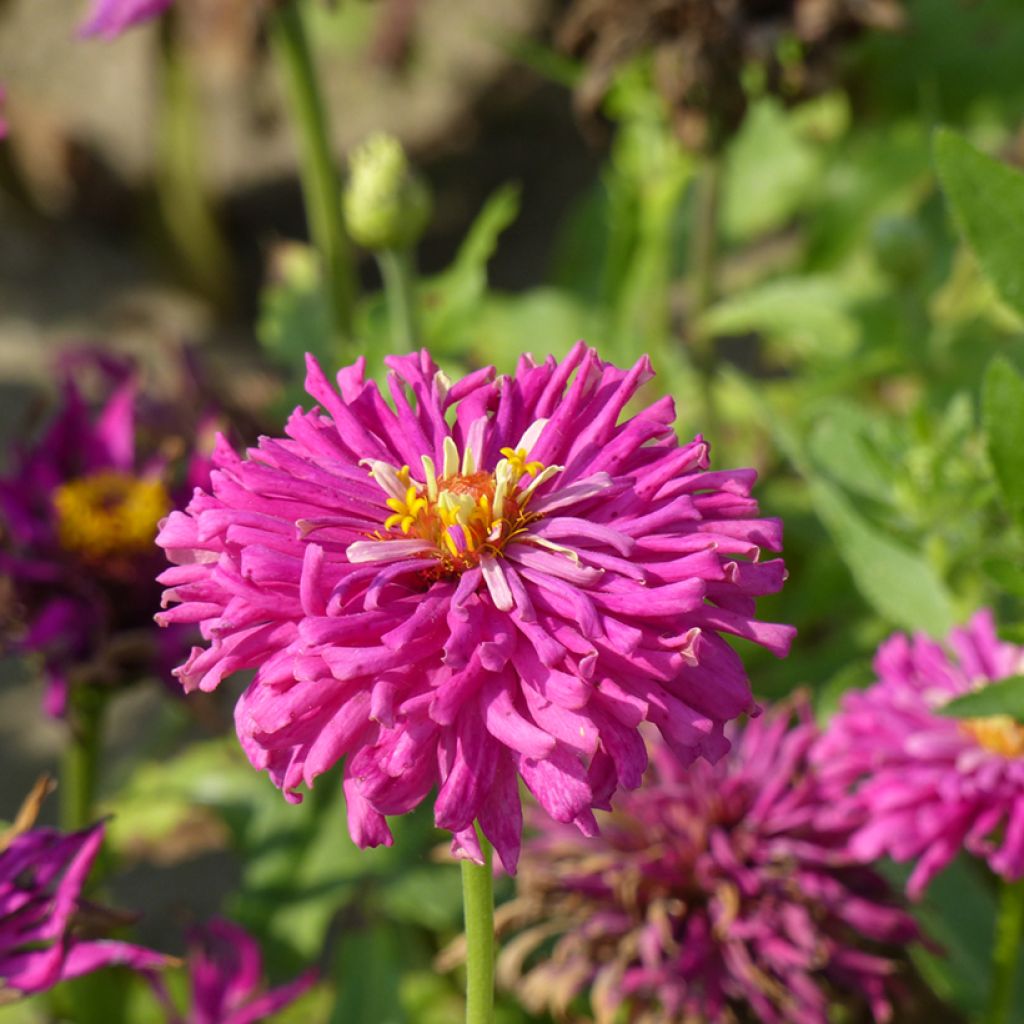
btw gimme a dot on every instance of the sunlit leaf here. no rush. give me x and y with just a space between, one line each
1003 418
1005 697
987 199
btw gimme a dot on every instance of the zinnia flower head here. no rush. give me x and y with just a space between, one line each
42 872
713 894
110 18
78 516
921 786
226 970
486 579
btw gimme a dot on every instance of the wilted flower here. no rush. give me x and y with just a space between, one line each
713 894
78 516
919 785
226 970
110 18
702 51
490 578
42 872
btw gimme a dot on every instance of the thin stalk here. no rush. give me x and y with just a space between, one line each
398 269
80 765
184 207
320 184
1006 951
704 277
478 905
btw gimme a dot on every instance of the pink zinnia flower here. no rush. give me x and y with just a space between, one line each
42 872
78 516
226 970
713 893
920 785
111 18
487 579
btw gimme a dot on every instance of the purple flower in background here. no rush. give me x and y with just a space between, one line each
713 893
488 579
921 786
78 516
42 872
110 18
226 970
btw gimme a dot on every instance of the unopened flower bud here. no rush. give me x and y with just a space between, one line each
386 204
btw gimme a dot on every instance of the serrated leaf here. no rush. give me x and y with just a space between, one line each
987 199
1005 697
1002 413
898 583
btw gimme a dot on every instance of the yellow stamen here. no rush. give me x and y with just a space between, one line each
999 734
109 513
468 513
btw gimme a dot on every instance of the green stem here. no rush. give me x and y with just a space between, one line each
478 903
320 184
1006 951
704 278
80 765
398 269
184 206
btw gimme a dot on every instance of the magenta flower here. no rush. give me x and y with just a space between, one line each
712 894
226 969
78 516
489 579
921 786
42 872
110 18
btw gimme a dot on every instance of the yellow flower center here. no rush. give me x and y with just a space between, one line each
463 511
109 513
997 733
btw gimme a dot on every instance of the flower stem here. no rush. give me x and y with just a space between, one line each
478 903
1006 951
184 206
398 269
80 765
320 184
703 271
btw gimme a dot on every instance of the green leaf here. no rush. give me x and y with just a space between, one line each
769 174
294 315
958 912
802 316
451 300
987 199
898 583
1002 413
842 446
1005 697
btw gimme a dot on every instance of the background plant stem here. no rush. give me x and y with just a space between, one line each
1006 951
80 765
185 210
398 270
478 904
703 272
320 183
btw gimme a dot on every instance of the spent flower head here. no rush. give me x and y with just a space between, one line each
713 894
489 579
919 786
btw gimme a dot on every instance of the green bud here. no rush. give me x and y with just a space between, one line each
901 247
386 205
